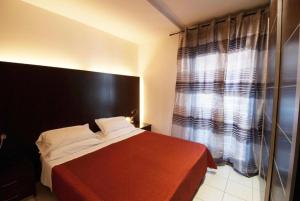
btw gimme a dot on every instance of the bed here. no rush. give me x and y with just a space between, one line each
131 165
40 98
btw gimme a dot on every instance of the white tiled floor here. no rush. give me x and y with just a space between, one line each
223 184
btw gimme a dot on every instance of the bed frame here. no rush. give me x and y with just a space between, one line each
38 98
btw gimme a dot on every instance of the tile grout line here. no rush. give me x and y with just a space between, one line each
228 180
225 187
227 183
240 183
252 189
245 186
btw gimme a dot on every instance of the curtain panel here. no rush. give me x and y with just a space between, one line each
220 88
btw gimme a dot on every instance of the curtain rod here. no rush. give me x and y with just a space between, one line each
222 19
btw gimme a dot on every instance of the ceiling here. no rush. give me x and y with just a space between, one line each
190 12
141 21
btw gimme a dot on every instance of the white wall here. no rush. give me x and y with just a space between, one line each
32 35
157 65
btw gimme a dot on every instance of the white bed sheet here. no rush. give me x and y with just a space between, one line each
82 149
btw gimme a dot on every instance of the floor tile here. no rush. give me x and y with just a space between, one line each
197 199
238 178
223 171
258 183
216 181
258 195
42 194
228 197
239 190
208 193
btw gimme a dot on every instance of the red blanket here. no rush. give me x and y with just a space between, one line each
146 167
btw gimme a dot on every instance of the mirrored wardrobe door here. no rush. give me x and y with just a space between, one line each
270 103
280 141
288 104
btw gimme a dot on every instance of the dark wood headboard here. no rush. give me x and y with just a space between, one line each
38 98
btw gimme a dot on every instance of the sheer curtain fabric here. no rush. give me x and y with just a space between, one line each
220 88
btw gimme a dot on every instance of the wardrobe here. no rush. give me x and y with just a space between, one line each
280 140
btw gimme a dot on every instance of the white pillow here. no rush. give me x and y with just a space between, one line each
53 139
121 132
109 125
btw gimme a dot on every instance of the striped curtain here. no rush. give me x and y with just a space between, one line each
220 88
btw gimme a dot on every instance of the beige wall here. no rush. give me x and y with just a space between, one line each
32 35
157 65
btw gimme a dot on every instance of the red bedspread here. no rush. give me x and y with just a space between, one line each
146 167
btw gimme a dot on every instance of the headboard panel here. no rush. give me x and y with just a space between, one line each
38 98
